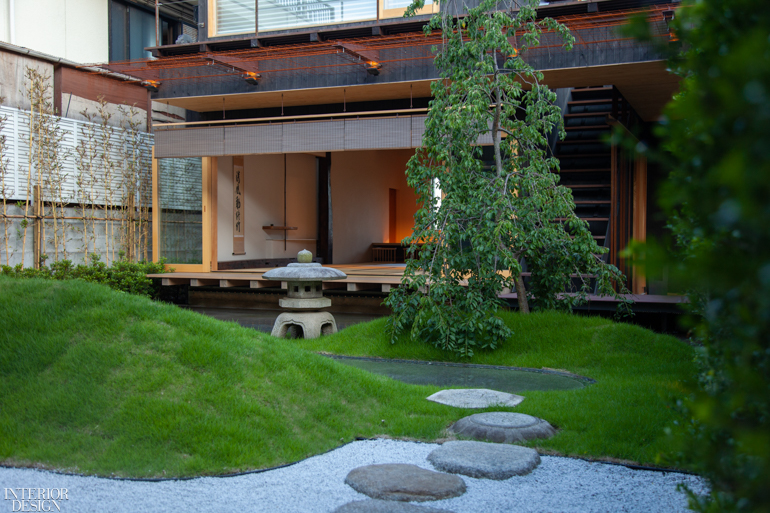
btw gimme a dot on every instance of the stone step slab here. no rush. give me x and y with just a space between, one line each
484 460
401 482
502 427
475 398
379 506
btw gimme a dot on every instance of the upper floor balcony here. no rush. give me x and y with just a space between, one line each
238 24
245 17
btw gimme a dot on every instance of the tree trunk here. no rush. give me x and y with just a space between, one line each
521 294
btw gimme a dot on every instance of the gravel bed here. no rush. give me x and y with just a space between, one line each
317 485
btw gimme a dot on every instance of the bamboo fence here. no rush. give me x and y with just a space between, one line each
80 191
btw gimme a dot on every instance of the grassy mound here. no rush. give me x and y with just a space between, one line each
97 381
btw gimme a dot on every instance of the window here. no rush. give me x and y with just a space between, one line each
234 17
180 199
396 8
284 14
132 29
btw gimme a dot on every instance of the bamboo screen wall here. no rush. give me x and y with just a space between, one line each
310 136
71 188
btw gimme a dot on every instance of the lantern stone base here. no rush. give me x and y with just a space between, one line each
304 325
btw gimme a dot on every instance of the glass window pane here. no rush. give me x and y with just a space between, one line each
284 14
400 4
235 16
180 197
142 32
118 32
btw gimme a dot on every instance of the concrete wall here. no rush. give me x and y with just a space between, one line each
73 106
77 30
360 201
78 244
12 82
264 206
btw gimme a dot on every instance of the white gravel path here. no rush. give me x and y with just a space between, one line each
317 485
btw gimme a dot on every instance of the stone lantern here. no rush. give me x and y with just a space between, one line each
305 298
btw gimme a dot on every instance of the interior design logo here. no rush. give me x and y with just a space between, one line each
36 499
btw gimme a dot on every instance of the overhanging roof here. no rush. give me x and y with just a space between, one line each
648 86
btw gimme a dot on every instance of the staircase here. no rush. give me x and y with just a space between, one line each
586 161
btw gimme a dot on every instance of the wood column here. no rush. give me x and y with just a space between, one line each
639 281
324 247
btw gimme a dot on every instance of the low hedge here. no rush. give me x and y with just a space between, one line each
122 275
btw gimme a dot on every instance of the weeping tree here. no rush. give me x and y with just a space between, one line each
471 239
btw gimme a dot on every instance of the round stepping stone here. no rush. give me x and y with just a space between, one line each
400 482
484 460
378 506
502 427
475 398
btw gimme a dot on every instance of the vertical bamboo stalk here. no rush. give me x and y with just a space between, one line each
30 75
36 239
3 191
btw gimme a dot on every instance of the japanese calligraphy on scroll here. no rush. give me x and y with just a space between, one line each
239 247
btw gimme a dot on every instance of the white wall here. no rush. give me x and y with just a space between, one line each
76 30
360 201
264 206
5 24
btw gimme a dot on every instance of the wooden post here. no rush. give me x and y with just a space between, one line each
640 217
36 212
324 248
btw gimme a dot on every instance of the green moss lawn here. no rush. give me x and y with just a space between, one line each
103 382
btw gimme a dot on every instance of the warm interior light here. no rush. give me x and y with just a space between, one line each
373 68
514 54
151 85
252 78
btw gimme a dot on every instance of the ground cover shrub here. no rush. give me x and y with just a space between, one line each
122 275
715 139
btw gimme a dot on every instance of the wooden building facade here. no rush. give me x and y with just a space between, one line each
301 121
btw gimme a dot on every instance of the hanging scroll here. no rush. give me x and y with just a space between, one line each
239 247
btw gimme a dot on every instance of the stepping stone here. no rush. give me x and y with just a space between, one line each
400 482
475 398
484 460
502 427
378 506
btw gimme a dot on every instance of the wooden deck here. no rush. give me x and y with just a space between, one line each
372 277
376 277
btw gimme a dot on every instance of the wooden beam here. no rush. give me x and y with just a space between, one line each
357 287
262 284
235 283
200 282
334 285
175 281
